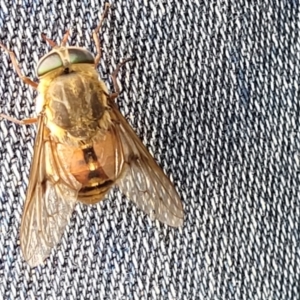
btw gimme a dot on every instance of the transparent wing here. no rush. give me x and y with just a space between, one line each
144 181
50 200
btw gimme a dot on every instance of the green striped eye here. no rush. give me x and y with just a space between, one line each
54 61
49 63
80 56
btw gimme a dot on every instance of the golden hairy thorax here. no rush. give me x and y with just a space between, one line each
75 105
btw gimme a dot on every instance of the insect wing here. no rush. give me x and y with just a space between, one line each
144 181
50 200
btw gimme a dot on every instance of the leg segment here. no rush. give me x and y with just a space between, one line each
96 37
20 122
14 61
114 78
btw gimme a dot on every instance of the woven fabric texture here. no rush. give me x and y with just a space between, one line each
214 95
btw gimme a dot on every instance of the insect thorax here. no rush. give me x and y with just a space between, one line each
76 106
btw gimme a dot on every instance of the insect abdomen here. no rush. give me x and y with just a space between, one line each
96 166
95 179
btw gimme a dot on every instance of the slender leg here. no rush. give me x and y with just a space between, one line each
114 78
14 61
96 37
20 122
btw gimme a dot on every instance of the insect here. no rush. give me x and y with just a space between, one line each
83 147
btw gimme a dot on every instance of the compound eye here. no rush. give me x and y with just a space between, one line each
80 56
49 63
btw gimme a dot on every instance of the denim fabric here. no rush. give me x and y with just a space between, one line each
214 95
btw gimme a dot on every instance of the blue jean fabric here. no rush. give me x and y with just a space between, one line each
214 95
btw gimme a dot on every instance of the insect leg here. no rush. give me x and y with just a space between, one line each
114 76
20 122
14 61
96 37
